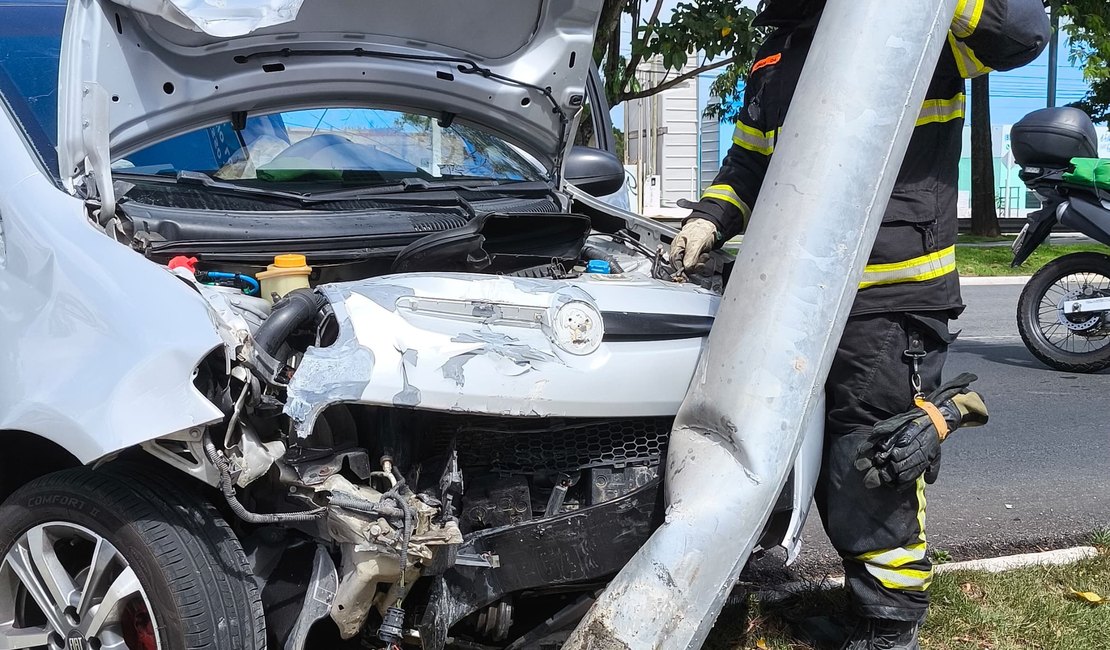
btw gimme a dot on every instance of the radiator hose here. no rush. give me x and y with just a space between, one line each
297 308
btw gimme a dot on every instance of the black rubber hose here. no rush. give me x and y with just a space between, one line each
595 253
394 495
368 507
298 307
228 490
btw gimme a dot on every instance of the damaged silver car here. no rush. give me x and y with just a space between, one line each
312 334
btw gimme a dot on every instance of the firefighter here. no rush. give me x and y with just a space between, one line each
897 336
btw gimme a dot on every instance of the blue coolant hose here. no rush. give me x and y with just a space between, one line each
252 286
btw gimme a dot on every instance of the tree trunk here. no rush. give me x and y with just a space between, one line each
984 210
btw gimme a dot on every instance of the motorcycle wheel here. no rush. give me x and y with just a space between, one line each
121 559
1065 342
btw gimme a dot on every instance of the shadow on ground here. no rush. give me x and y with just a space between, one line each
1007 354
808 619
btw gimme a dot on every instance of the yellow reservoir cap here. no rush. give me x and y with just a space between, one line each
288 272
289 261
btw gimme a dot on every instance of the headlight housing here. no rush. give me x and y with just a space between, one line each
577 327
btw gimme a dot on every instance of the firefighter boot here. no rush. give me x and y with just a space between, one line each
883 634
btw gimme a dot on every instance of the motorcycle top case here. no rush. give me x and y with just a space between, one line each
1051 137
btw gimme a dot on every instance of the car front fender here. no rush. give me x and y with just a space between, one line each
98 346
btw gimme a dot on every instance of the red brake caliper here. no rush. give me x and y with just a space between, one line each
138 628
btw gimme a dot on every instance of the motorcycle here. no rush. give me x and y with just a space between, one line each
1063 312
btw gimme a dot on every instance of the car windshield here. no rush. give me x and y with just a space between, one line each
363 145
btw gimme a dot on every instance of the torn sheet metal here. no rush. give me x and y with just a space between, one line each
485 344
222 19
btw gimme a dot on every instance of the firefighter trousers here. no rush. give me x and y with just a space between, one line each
879 532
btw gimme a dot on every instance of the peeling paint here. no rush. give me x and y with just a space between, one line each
409 395
453 368
449 361
327 376
384 295
506 346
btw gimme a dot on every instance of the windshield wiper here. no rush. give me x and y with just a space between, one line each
420 185
200 179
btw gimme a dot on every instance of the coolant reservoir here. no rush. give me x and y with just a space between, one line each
288 272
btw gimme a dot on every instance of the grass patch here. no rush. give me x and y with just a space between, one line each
1026 609
979 239
995 260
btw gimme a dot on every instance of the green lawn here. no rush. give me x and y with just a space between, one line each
995 260
1026 609
979 239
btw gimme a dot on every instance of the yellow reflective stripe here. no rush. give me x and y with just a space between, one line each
753 139
903 579
966 61
887 566
918 269
726 194
895 557
921 508
942 110
968 13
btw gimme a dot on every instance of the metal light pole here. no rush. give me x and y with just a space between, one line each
1053 54
739 428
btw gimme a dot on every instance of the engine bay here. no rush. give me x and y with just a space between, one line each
404 405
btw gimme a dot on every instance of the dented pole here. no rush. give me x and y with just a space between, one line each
768 355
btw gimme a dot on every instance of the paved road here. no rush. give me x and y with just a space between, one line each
1038 476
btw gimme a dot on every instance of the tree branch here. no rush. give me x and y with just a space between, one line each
648 92
634 57
608 28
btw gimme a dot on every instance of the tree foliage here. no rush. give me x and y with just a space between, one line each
715 33
1087 23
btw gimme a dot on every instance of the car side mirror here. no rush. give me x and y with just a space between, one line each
594 171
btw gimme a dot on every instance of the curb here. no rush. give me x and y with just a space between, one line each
1006 563
971 281
988 565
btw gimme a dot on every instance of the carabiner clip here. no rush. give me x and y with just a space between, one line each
915 352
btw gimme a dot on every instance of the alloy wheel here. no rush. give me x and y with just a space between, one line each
63 587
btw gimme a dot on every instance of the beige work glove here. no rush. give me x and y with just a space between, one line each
697 237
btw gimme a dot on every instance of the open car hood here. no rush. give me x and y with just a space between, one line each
135 72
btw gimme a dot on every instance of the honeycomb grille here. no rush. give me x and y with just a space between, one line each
518 445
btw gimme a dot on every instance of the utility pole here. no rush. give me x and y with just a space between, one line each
762 373
1053 53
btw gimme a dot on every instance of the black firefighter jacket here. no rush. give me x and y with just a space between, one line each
912 266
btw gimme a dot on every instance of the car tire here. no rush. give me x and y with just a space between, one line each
171 568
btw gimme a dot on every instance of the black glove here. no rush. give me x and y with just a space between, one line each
904 447
932 472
